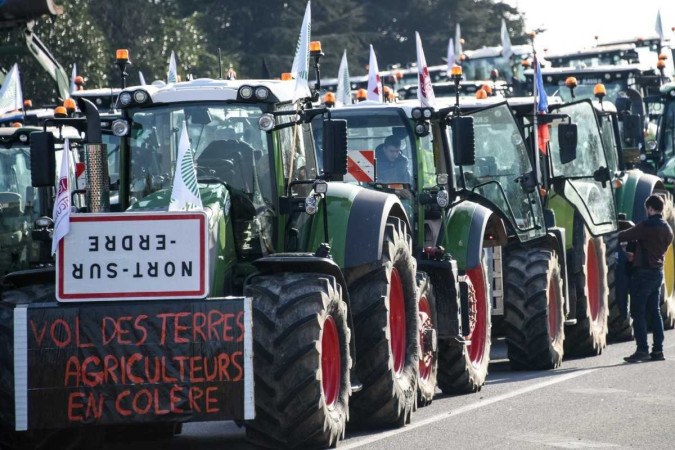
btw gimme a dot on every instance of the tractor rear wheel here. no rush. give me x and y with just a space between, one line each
588 288
302 360
533 309
64 439
620 328
463 367
384 304
428 326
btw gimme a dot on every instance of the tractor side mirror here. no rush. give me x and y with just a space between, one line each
632 127
463 141
335 148
42 159
567 141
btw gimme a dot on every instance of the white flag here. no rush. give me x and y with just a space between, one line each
300 69
458 42
61 212
451 55
659 25
185 192
172 74
374 84
11 97
141 78
73 75
507 51
425 91
344 88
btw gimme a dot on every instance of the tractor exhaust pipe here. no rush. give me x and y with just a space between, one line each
96 161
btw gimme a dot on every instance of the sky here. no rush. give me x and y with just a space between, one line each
573 24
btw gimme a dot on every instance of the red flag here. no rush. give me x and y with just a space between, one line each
543 137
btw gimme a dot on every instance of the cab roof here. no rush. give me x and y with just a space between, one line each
208 89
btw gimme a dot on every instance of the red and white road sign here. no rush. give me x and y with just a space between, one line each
360 166
80 176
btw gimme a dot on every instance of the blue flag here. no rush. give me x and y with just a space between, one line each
539 92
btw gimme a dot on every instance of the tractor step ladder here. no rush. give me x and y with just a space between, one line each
495 275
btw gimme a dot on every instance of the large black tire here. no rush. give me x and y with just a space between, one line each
428 330
588 288
79 438
301 389
385 319
619 328
533 309
463 368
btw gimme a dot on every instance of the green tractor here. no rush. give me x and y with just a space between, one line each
620 114
324 314
579 199
451 244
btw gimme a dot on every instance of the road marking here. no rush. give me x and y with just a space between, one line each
468 408
558 441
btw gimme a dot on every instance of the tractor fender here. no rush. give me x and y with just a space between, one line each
468 228
366 225
645 187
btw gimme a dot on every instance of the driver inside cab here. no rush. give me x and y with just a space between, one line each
392 165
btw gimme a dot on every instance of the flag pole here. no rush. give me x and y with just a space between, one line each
535 131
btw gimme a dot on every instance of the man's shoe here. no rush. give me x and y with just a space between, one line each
637 357
657 356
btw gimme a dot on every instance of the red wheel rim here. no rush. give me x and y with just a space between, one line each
425 325
478 332
330 361
397 321
553 316
593 280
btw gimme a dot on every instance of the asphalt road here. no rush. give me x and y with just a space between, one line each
595 402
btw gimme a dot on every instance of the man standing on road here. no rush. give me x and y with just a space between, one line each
653 236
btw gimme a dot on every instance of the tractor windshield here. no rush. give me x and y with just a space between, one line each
18 208
481 68
501 160
225 139
592 199
383 134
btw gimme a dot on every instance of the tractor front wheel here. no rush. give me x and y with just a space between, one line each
533 309
463 367
301 362
428 327
386 321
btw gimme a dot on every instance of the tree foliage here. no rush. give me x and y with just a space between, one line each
248 33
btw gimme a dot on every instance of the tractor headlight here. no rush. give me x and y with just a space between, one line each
320 187
140 96
416 113
311 205
23 138
125 99
246 92
266 122
120 127
442 198
442 179
44 222
421 129
426 112
262 93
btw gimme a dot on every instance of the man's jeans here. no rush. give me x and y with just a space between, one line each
645 296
